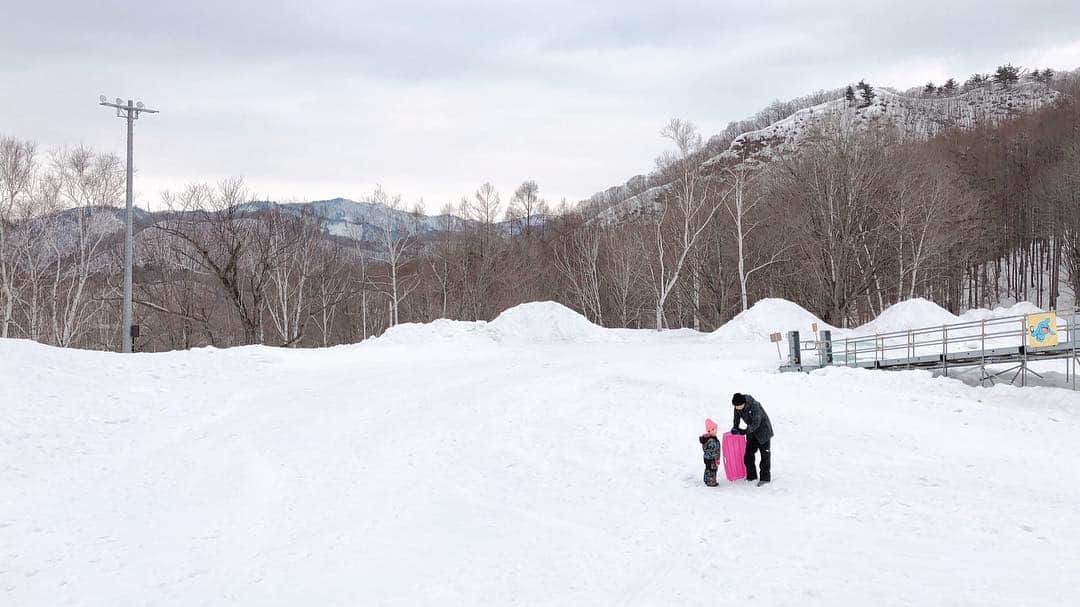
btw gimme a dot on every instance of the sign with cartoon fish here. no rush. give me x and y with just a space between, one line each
1041 330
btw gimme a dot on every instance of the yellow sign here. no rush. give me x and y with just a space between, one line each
1041 330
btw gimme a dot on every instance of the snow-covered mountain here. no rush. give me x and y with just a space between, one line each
359 220
362 220
911 117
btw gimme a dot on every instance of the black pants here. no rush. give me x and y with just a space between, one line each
752 447
710 472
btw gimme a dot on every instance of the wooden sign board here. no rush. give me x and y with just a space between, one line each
775 337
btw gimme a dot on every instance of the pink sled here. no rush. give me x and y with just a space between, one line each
734 447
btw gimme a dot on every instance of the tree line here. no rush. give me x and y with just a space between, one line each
857 220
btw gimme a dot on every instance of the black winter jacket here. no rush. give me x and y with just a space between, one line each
757 421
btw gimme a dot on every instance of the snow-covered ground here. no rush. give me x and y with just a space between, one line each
533 460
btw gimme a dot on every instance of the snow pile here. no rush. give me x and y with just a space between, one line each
545 321
441 329
909 314
1017 309
536 322
770 315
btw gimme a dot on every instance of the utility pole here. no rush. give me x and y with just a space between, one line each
130 112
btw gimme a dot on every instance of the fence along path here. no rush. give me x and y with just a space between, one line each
1006 341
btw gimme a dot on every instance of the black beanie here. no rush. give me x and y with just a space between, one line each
738 399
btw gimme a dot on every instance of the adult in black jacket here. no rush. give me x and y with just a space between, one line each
758 435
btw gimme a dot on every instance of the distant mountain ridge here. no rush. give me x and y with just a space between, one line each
364 221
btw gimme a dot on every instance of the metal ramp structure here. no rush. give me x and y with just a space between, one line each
1009 342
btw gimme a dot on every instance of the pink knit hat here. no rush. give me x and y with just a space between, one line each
710 426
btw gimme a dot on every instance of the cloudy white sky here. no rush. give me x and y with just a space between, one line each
431 98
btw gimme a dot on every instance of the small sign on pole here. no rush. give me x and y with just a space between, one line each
776 338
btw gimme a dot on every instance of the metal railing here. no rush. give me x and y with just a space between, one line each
973 343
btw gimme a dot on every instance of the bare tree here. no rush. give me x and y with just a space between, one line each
924 200
333 288
441 256
89 183
220 237
622 275
481 262
525 207
742 205
36 219
295 240
17 167
688 206
833 186
576 258
399 242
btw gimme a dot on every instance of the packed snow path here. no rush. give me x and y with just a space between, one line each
480 469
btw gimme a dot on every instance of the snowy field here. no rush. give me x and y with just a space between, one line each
533 460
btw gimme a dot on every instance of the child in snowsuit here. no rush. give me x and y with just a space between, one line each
711 446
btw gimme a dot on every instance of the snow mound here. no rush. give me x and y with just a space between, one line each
545 321
770 315
412 333
1017 309
909 314
537 322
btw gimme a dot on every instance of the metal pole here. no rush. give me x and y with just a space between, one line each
982 352
1023 349
128 246
1072 360
130 111
945 349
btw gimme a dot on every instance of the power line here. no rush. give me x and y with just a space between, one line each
130 112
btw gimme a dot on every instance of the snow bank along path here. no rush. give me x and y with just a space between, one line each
510 472
773 315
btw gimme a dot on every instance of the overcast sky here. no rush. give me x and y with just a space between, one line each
432 98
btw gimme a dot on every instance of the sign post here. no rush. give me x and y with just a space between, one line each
776 338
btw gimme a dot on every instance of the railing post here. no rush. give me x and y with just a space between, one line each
982 351
794 348
1072 361
825 353
1023 351
945 349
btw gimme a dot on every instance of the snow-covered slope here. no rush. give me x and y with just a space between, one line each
911 117
554 472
